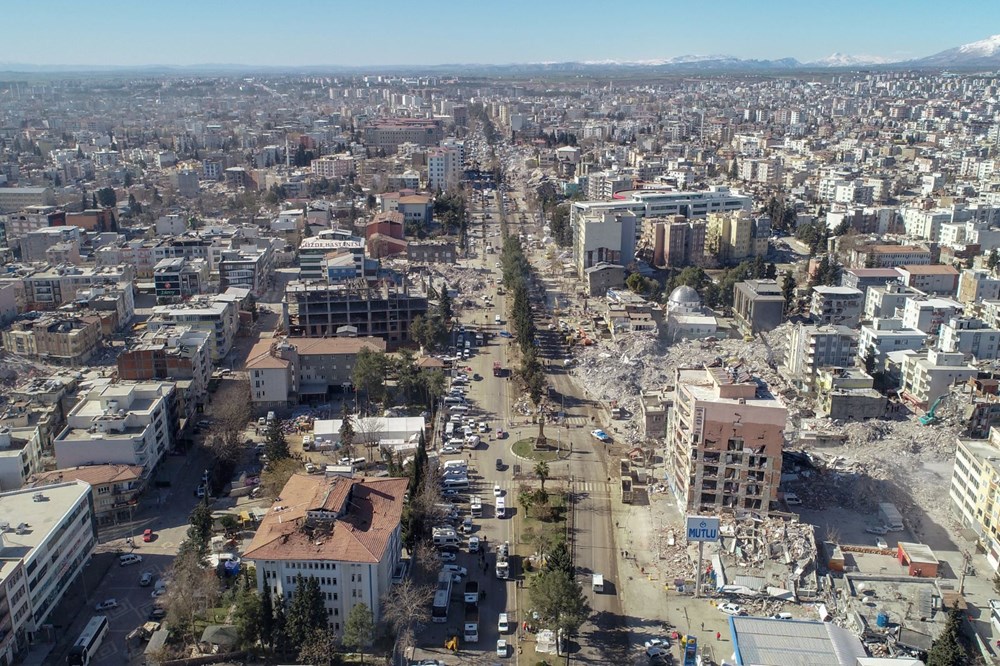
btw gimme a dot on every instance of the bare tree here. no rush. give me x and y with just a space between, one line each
193 589
368 433
231 407
406 605
424 559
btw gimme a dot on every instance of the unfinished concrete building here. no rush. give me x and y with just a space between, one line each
724 440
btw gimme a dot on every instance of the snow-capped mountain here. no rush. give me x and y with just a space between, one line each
846 60
984 53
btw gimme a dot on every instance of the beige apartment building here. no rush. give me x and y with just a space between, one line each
725 434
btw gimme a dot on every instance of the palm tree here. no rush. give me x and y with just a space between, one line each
542 471
526 498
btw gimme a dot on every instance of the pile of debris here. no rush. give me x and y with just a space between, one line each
771 551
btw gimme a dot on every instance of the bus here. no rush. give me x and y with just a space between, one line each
89 642
442 598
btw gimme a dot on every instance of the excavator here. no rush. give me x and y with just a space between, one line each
929 417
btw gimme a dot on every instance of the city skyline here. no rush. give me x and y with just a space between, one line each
188 34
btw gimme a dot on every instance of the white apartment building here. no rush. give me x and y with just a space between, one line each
813 347
444 168
886 302
927 314
971 337
215 315
975 285
836 305
925 224
927 375
603 237
47 537
882 336
345 532
20 455
128 423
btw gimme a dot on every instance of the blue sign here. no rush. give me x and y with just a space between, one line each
702 528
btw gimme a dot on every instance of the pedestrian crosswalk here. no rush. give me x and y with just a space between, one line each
509 487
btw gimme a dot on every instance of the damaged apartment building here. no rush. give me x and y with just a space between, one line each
725 434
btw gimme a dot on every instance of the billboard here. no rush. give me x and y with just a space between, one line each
702 528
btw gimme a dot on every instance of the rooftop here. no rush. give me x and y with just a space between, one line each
760 640
39 517
364 515
95 475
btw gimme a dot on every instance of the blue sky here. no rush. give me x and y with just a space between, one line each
383 32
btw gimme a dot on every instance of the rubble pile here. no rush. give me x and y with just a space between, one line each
774 549
672 548
14 369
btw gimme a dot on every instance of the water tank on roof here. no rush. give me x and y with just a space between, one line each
882 620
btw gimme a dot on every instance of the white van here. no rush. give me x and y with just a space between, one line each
458 409
501 507
496 319
597 582
503 624
452 464
456 482
454 400
446 539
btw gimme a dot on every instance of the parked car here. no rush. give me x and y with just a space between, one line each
146 579
455 569
600 435
147 535
157 613
732 609
501 648
657 653
129 558
880 542
497 491
446 556
881 531
107 604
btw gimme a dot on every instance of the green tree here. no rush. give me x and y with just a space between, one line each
993 260
106 197
346 429
317 648
200 529
559 600
947 648
526 499
306 612
559 559
445 308
369 374
280 633
542 472
788 290
267 617
359 629
407 375
636 283
248 616
277 445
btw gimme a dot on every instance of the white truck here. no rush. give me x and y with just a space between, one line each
503 564
476 506
471 632
472 592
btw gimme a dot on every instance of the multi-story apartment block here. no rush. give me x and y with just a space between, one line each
114 489
55 338
836 305
48 289
35 243
975 491
864 278
129 423
676 242
289 370
725 434
178 353
930 279
216 315
606 237
929 374
882 336
444 168
431 251
333 166
178 278
887 301
645 204
971 337
47 538
975 285
249 267
887 256
811 348
758 306
928 314
314 250
734 236
382 310
21 198
20 452
343 532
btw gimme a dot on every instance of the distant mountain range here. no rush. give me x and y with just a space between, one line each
984 54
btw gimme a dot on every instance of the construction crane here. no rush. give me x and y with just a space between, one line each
929 417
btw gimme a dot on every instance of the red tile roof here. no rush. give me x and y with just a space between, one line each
369 512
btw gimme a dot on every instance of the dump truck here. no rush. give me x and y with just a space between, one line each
471 631
472 592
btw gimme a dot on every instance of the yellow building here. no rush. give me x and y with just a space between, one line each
734 236
975 490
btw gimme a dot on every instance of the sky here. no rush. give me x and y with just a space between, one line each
431 32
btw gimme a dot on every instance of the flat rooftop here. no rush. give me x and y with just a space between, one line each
19 507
